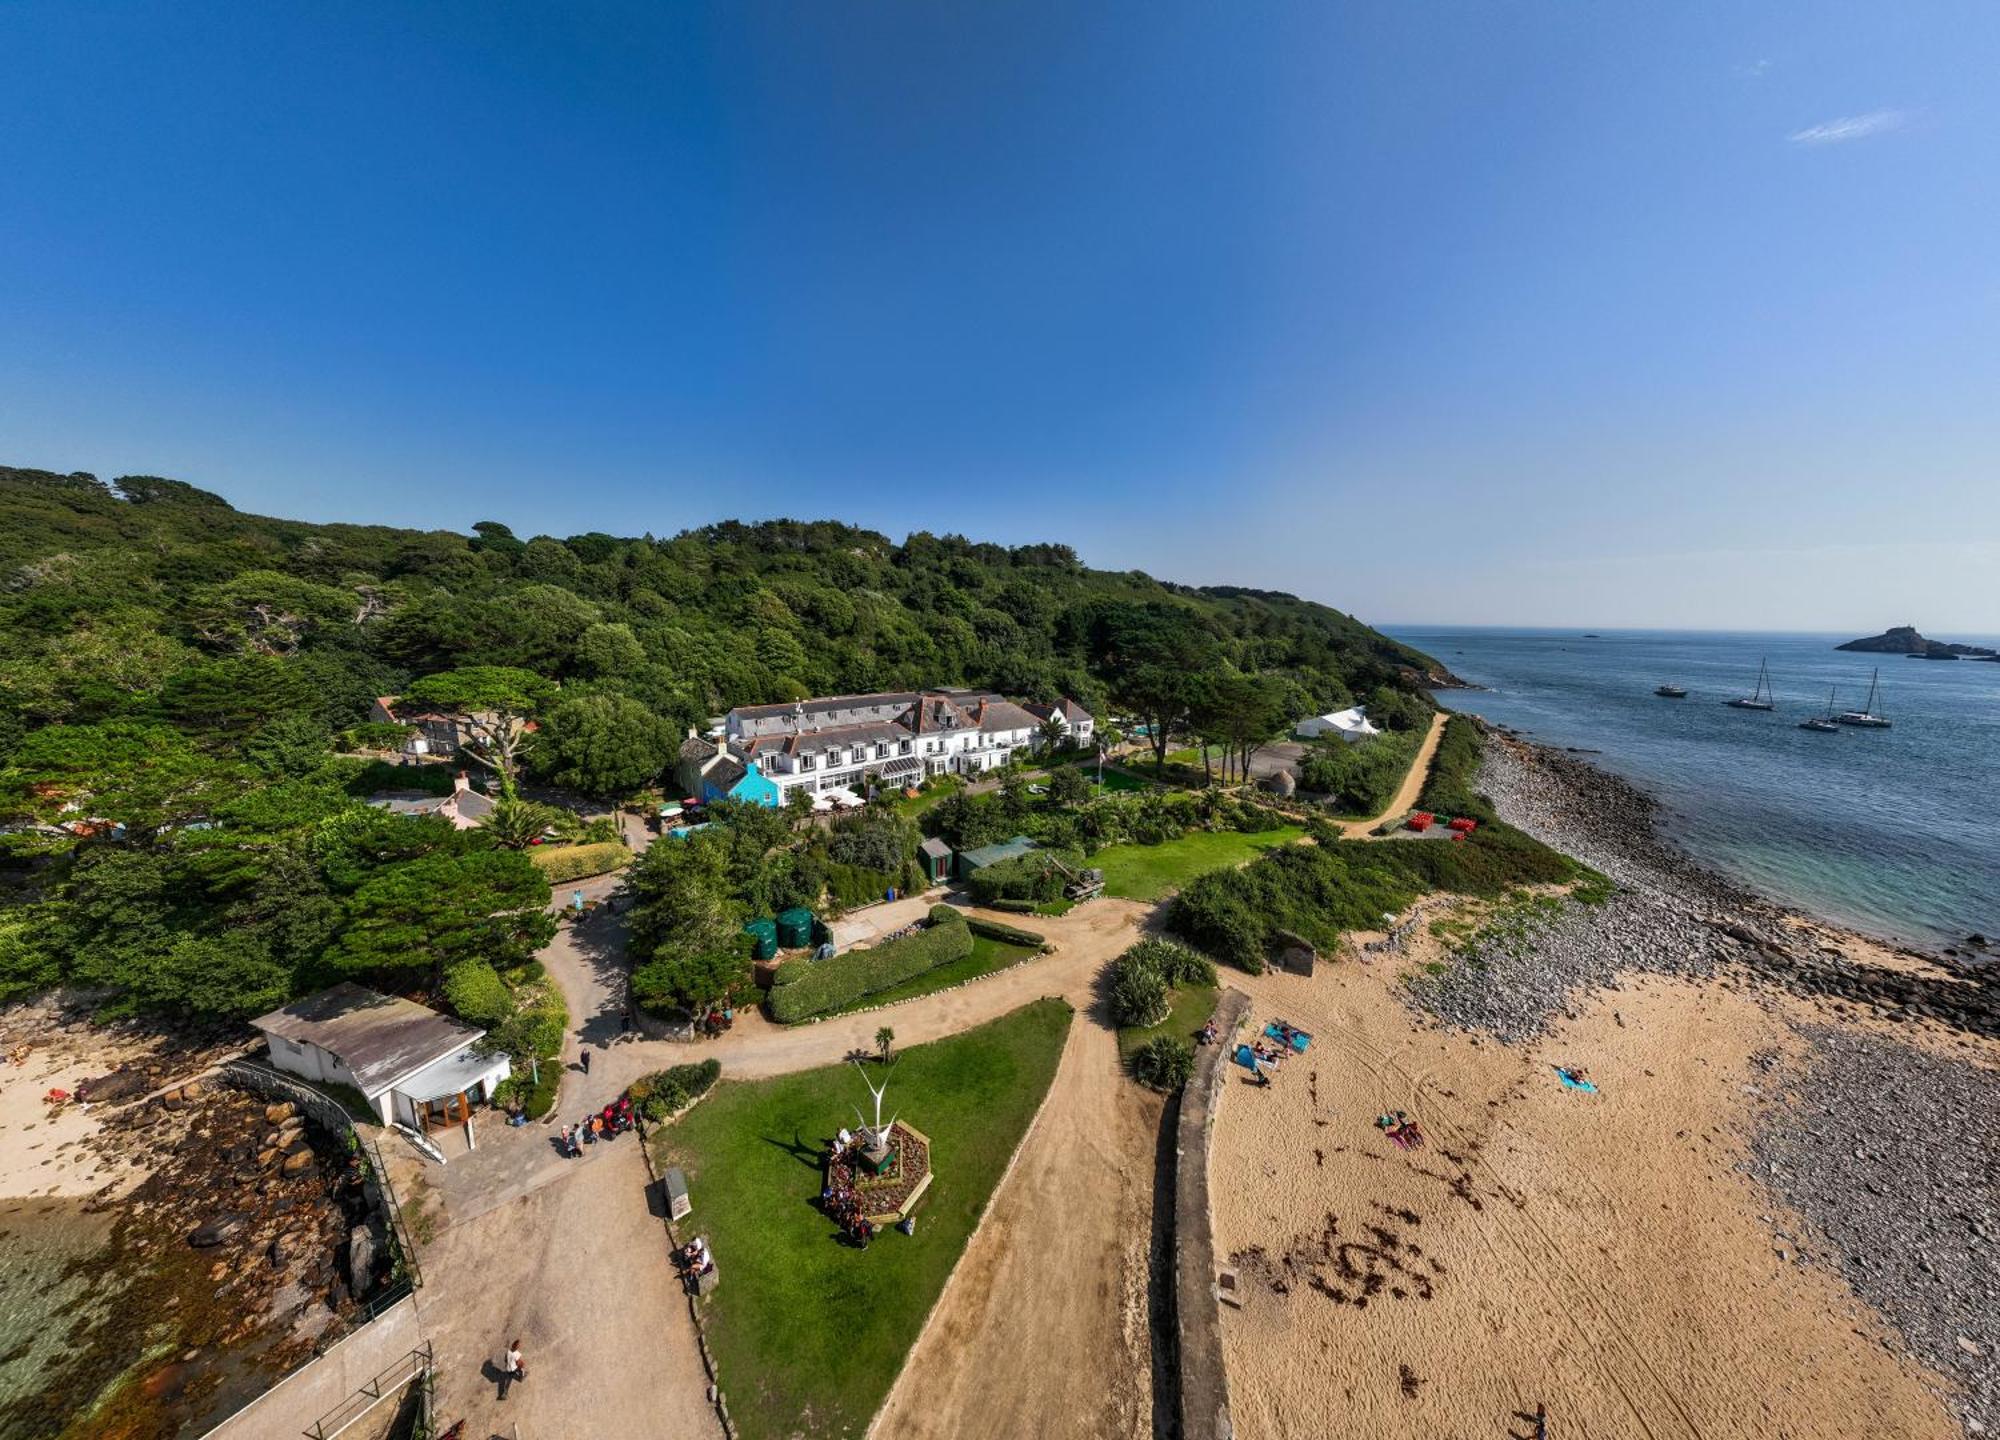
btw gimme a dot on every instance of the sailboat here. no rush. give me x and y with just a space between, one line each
1824 722
1761 698
1866 716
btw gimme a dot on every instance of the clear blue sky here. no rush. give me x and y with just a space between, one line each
1589 313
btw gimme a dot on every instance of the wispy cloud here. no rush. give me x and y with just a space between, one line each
1850 127
1754 70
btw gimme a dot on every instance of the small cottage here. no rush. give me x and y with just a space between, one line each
410 1063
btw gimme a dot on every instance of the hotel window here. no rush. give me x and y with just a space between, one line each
805 762
903 748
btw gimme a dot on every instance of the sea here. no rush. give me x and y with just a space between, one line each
1895 833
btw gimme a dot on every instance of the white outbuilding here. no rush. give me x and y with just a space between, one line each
410 1063
1350 725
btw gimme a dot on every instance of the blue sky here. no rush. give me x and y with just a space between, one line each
1542 313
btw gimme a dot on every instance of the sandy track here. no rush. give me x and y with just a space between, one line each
1406 794
1600 1254
1043 1327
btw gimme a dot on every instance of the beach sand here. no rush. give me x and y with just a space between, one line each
1606 1255
50 1151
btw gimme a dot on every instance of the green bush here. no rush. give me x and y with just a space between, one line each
660 1094
1360 778
560 864
541 1096
1036 876
1165 1062
380 775
843 979
1016 907
477 994
1140 995
1008 934
1176 963
852 885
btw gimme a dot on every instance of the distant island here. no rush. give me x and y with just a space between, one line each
1904 640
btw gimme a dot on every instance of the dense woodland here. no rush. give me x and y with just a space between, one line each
184 698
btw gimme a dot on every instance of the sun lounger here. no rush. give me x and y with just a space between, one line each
1299 1039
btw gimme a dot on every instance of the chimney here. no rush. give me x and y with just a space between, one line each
463 783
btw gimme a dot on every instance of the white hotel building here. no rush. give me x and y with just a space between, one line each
898 738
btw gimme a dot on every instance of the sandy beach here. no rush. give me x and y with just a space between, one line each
1632 1259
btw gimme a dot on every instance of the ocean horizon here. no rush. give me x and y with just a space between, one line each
1886 831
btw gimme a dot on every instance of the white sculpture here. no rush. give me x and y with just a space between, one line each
878 1133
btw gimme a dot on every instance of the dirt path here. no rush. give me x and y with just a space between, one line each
1603 1254
1043 1327
1406 794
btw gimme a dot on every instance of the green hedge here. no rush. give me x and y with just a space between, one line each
1012 935
562 863
1016 907
660 1094
843 979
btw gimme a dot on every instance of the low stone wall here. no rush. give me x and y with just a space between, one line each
1197 1311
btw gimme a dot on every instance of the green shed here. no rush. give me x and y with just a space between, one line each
979 859
795 928
763 935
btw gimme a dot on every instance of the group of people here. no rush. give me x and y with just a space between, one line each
1400 1129
694 1259
606 1123
839 1198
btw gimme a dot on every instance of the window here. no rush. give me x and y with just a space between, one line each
805 762
903 748
881 752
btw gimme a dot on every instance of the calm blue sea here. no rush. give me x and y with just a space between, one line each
1895 832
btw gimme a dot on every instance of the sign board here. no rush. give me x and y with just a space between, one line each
678 1203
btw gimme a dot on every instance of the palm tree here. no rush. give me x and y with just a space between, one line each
884 1038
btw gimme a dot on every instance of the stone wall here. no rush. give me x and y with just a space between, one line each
1197 1311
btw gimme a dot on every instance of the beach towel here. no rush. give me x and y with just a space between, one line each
1299 1039
1245 1058
1571 1082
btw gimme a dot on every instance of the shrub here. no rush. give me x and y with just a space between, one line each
477 994
1139 994
1166 1062
379 775
1036 876
1016 907
660 1094
1176 963
843 979
851 885
1007 934
562 863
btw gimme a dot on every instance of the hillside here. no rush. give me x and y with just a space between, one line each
1904 640
728 615
184 689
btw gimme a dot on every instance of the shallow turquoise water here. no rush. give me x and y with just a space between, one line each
1896 832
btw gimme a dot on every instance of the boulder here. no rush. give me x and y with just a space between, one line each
291 1139
191 1090
173 1100
279 1114
118 1085
215 1231
298 1162
361 1249
267 1158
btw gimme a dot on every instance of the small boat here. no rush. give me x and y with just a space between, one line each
1670 692
1866 716
1759 699
1821 723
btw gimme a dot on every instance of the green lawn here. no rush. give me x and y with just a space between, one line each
809 1333
1192 1005
987 956
1116 780
1146 872
911 806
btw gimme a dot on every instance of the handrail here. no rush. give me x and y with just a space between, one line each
417 1365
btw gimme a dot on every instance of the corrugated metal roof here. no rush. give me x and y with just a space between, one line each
993 854
380 1038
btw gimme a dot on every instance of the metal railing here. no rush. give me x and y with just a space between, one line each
417 1366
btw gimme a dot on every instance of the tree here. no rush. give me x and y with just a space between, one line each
603 744
692 982
1154 656
134 773
1139 993
1165 1063
681 903
517 824
424 917
1241 714
1053 733
884 1038
610 650
477 994
1067 788
494 703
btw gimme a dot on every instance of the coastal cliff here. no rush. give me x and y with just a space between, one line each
1904 640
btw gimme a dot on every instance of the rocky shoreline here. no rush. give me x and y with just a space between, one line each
1885 1148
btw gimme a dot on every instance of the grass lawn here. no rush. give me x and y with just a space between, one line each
809 1333
911 806
1146 872
987 956
1192 1005
1116 780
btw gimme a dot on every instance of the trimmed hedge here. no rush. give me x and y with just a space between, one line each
1016 907
843 979
562 863
660 1094
1010 934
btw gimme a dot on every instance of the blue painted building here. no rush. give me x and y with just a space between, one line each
739 780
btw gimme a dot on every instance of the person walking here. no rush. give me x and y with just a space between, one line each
512 1368
585 1058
